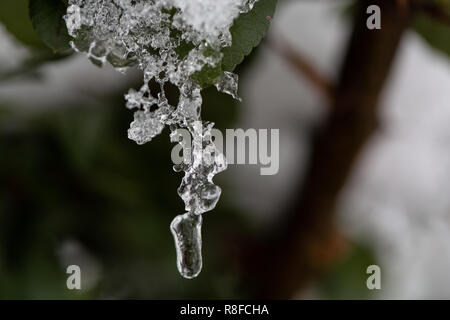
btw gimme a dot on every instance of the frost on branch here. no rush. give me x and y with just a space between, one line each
172 41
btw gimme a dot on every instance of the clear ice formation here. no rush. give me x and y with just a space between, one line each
171 41
186 230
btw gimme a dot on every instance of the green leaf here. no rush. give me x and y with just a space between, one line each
247 32
47 19
207 76
435 33
14 16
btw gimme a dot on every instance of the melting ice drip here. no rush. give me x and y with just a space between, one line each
150 34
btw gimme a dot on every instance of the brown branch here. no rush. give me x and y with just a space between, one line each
297 255
301 65
403 6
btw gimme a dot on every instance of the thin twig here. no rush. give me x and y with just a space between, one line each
301 65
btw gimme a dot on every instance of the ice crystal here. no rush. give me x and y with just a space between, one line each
186 230
171 41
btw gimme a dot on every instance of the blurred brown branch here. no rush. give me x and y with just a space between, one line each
301 65
309 242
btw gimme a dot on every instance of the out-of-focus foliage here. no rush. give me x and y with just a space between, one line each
435 31
347 279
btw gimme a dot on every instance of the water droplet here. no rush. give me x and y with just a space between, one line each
187 233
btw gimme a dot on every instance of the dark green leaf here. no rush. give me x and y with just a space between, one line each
247 32
207 76
47 19
14 16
